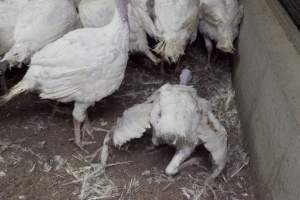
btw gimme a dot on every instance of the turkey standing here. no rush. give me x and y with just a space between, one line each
9 12
219 22
176 21
178 117
40 23
84 66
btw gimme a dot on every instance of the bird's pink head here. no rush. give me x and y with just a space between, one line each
185 76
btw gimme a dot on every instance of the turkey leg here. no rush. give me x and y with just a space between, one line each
3 68
180 156
87 127
209 48
79 117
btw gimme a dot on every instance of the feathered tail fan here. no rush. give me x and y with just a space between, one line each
171 50
21 87
132 124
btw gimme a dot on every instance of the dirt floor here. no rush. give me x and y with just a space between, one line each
39 162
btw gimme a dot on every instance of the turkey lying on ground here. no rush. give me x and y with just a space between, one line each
219 22
178 117
40 23
97 13
9 12
176 21
84 66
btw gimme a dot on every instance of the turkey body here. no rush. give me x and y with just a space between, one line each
179 118
176 21
9 12
97 13
40 23
219 22
84 66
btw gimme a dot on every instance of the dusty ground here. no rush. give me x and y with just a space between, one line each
37 160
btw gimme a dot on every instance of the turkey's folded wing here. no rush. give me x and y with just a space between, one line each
132 124
73 66
214 137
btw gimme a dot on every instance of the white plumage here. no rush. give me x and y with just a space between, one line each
140 23
40 23
84 66
176 21
9 12
134 122
76 2
97 13
179 117
219 22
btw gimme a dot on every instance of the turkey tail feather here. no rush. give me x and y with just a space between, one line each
21 87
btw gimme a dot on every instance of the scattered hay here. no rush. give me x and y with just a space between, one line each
195 193
130 189
95 184
157 177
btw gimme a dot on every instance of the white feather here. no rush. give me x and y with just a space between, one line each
180 118
220 21
97 13
176 21
9 12
40 23
84 66
134 122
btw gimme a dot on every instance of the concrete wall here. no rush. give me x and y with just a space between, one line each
267 81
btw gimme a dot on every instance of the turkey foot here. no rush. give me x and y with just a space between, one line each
87 128
77 134
209 48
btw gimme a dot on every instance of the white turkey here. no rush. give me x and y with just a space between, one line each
176 21
9 12
178 117
219 22
97 13
84 66
40 23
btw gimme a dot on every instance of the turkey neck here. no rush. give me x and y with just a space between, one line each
121 6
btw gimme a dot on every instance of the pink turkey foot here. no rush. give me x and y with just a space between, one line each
87 128
77 134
